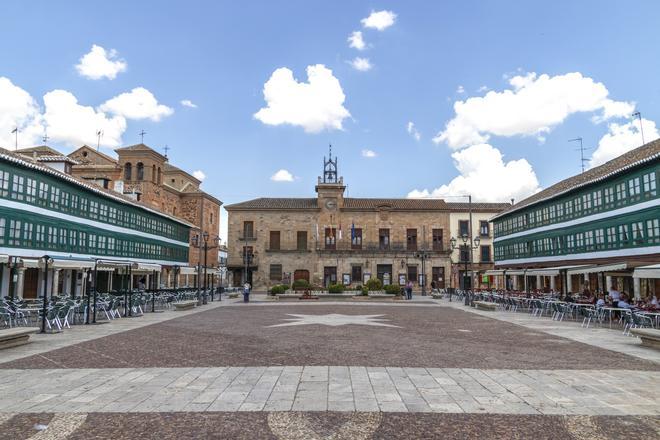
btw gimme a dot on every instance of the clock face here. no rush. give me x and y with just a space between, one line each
331 204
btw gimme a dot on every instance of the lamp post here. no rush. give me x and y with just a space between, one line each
423 255
44 309
204 244
474 244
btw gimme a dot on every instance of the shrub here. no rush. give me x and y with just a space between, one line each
365 291
335 288
392 289
301 284
358 288
374 284
278 289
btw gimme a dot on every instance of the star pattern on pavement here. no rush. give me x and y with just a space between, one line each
335 320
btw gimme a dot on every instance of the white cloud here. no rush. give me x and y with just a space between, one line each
412 130
18 109
139 103
361 64
314 105
370 154
622 138
188 103
282 176
482 89
100 63
199 175
73 124
460 89
485 176
380 20
532 107
356 41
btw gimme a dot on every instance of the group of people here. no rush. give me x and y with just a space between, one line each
622 300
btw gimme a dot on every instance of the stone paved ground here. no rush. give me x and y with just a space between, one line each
409 371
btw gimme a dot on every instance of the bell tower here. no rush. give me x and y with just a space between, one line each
330 187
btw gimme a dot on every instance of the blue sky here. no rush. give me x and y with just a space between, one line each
554 71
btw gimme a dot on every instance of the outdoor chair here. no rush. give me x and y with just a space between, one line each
588 315
635 320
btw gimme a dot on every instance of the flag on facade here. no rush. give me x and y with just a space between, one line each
352 231
340 230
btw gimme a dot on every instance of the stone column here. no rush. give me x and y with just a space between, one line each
539 284
608 283
569 283
20 282
4 287
553 284
56 282
637 288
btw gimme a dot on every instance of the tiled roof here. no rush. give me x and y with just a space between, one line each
478 206
57 159
21 160
395 204
140 147
367 204
645 153
275 203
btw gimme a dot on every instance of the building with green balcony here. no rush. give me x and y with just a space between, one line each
596 230
45 211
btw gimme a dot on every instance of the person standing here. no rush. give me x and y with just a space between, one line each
615 296
409 287
246 292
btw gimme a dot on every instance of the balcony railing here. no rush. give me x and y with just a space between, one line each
247 237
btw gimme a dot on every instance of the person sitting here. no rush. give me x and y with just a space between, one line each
653 300
600 302
623 302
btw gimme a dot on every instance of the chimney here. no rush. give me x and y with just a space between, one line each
512 200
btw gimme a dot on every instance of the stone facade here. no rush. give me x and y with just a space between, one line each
417 246
143 173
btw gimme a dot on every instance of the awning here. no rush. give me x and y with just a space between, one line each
652 271
110 265
187 270
494 272
515 272
4 259
551 271
59 263
147 267
598 269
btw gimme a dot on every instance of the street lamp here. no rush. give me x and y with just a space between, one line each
205 246
474 244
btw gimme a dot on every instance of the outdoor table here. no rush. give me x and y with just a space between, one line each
655 316
613 309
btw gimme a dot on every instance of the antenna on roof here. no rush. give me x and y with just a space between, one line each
99 135
45 138
142 133
15 131
641 128
582 150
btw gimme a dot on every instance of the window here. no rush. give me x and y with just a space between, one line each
634 187
611 237
464 253
586 202
597 199
560 210
589 240
552 213
484 229
31 191
248 229
93 209
54 197
411 239
18 187
569 208
40 235
27 233
330 238
600 238
623 234
275 272
356 239
274 240
577 206
65 200
63 238
485 254
356 274
43 192
91 243
653 230
570 242
608 195
649 184
128 171
437 240
74 202
579 240
52 236
4 183
412 273
438 274
102 241
463 228
139 171
384 239
103 212
301 240
73 238
14 233
620 193
638 232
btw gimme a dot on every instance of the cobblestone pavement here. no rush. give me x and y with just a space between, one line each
322 388
421 336
235 371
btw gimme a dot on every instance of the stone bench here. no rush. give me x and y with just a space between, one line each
16 336
650 337
185 305
384 296
335 296
483 305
